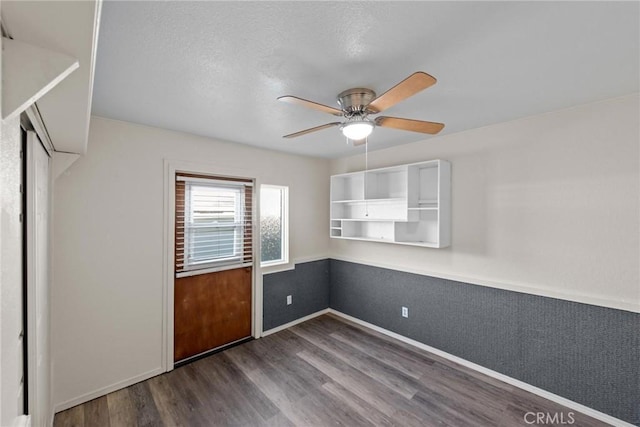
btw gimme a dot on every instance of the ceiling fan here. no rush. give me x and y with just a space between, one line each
356 105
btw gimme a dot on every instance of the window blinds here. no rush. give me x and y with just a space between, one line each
213 226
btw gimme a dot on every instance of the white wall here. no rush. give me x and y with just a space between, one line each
10 273
108 236
547 205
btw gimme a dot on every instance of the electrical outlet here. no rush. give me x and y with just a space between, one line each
289 301
405 312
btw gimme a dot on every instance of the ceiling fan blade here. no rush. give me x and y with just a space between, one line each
306 131
410 86
310 104
408 124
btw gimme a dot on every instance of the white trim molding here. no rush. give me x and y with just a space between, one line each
22 421
28 73
295 322
277 268
62 162
106 390
312 258
291 265
491 373
38 126
631 306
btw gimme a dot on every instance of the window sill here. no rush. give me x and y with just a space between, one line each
274 262
276 267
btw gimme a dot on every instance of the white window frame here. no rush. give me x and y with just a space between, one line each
285 226
206 266
239 214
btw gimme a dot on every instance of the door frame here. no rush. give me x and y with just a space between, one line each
33 386
170 168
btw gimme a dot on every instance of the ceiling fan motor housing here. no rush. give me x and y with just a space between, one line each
354 101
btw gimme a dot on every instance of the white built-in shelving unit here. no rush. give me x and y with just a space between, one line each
406 204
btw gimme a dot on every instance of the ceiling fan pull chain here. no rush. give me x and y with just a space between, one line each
366 169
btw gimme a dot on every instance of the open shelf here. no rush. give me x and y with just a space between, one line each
347 186
386 183
423 244
370 230
405 204
424 229
390 210
427 204
369 219
367 239
389 200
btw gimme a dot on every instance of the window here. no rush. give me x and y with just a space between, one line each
213 223
274 229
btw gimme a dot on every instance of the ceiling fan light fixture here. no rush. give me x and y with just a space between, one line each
357 129
357 104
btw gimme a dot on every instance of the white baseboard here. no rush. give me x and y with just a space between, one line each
106 390
23 421
504 378
295 322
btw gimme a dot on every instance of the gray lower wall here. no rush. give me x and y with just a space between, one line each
586 353
308 285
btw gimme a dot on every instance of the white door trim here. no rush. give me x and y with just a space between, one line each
38 286
170 168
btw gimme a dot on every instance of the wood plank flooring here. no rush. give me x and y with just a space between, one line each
323 372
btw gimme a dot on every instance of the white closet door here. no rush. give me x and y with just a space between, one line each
38 281
11 278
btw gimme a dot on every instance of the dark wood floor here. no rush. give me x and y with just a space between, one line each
319 373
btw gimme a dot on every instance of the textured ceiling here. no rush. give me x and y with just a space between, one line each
216 68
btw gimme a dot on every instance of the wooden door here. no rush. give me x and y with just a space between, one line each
213 263
211 310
